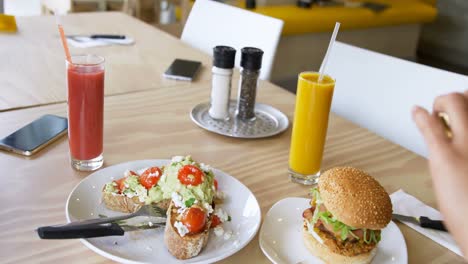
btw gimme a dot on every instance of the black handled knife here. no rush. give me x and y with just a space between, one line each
98 36
421 221
107 36
90 230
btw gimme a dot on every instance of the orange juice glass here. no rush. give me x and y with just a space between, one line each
313 101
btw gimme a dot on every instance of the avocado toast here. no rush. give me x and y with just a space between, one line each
187 188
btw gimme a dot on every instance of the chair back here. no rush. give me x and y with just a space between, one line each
211 23
377 92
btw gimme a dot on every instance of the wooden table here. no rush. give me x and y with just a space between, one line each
155 123
32 71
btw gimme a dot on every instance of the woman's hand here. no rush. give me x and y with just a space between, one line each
448 160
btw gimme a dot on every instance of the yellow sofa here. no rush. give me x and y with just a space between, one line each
322 19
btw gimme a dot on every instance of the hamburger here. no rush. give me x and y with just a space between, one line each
347 211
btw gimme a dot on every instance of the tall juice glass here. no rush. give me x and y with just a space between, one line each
85 83
313 101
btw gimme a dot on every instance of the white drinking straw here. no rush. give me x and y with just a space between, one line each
330 46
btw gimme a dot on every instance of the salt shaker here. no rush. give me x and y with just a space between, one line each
251 62
223 64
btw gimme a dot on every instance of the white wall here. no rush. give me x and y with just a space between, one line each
22 7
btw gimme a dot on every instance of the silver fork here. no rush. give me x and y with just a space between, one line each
146 210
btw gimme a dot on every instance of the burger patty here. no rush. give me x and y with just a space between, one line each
348 247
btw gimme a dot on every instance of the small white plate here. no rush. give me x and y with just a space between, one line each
281 236
147 246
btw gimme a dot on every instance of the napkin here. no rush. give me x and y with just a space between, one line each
406 204
86 42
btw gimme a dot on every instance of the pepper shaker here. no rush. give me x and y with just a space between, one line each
251 62
223 64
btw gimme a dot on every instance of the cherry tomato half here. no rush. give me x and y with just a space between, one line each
121 184
150 177
194 219
190 175
216 184
215 221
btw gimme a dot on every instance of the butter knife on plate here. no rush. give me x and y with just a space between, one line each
422 221
91 230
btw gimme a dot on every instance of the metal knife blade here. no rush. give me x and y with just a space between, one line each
130 228
404 218
422 221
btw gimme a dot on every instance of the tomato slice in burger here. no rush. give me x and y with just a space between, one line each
194 219
190 175
150 177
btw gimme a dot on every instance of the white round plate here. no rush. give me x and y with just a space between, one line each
281 236
147 246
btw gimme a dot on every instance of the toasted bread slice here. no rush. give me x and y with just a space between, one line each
121 203
185 247
125 204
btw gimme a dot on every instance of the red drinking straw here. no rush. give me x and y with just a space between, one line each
62 36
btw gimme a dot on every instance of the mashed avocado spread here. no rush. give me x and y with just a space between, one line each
132 188
169 184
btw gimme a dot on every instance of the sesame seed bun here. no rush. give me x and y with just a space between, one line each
355 198
324 253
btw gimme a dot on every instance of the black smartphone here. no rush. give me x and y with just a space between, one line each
33 137
182 70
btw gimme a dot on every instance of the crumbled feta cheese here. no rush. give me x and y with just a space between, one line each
227 235
141 192
181 229
163 177
127 173
177 158
150 224
205 167
223 216
220 195
219 231
140 171
178 201
181 210
208 208
156 174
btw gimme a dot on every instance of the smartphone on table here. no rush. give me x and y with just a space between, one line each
33 137
184 70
